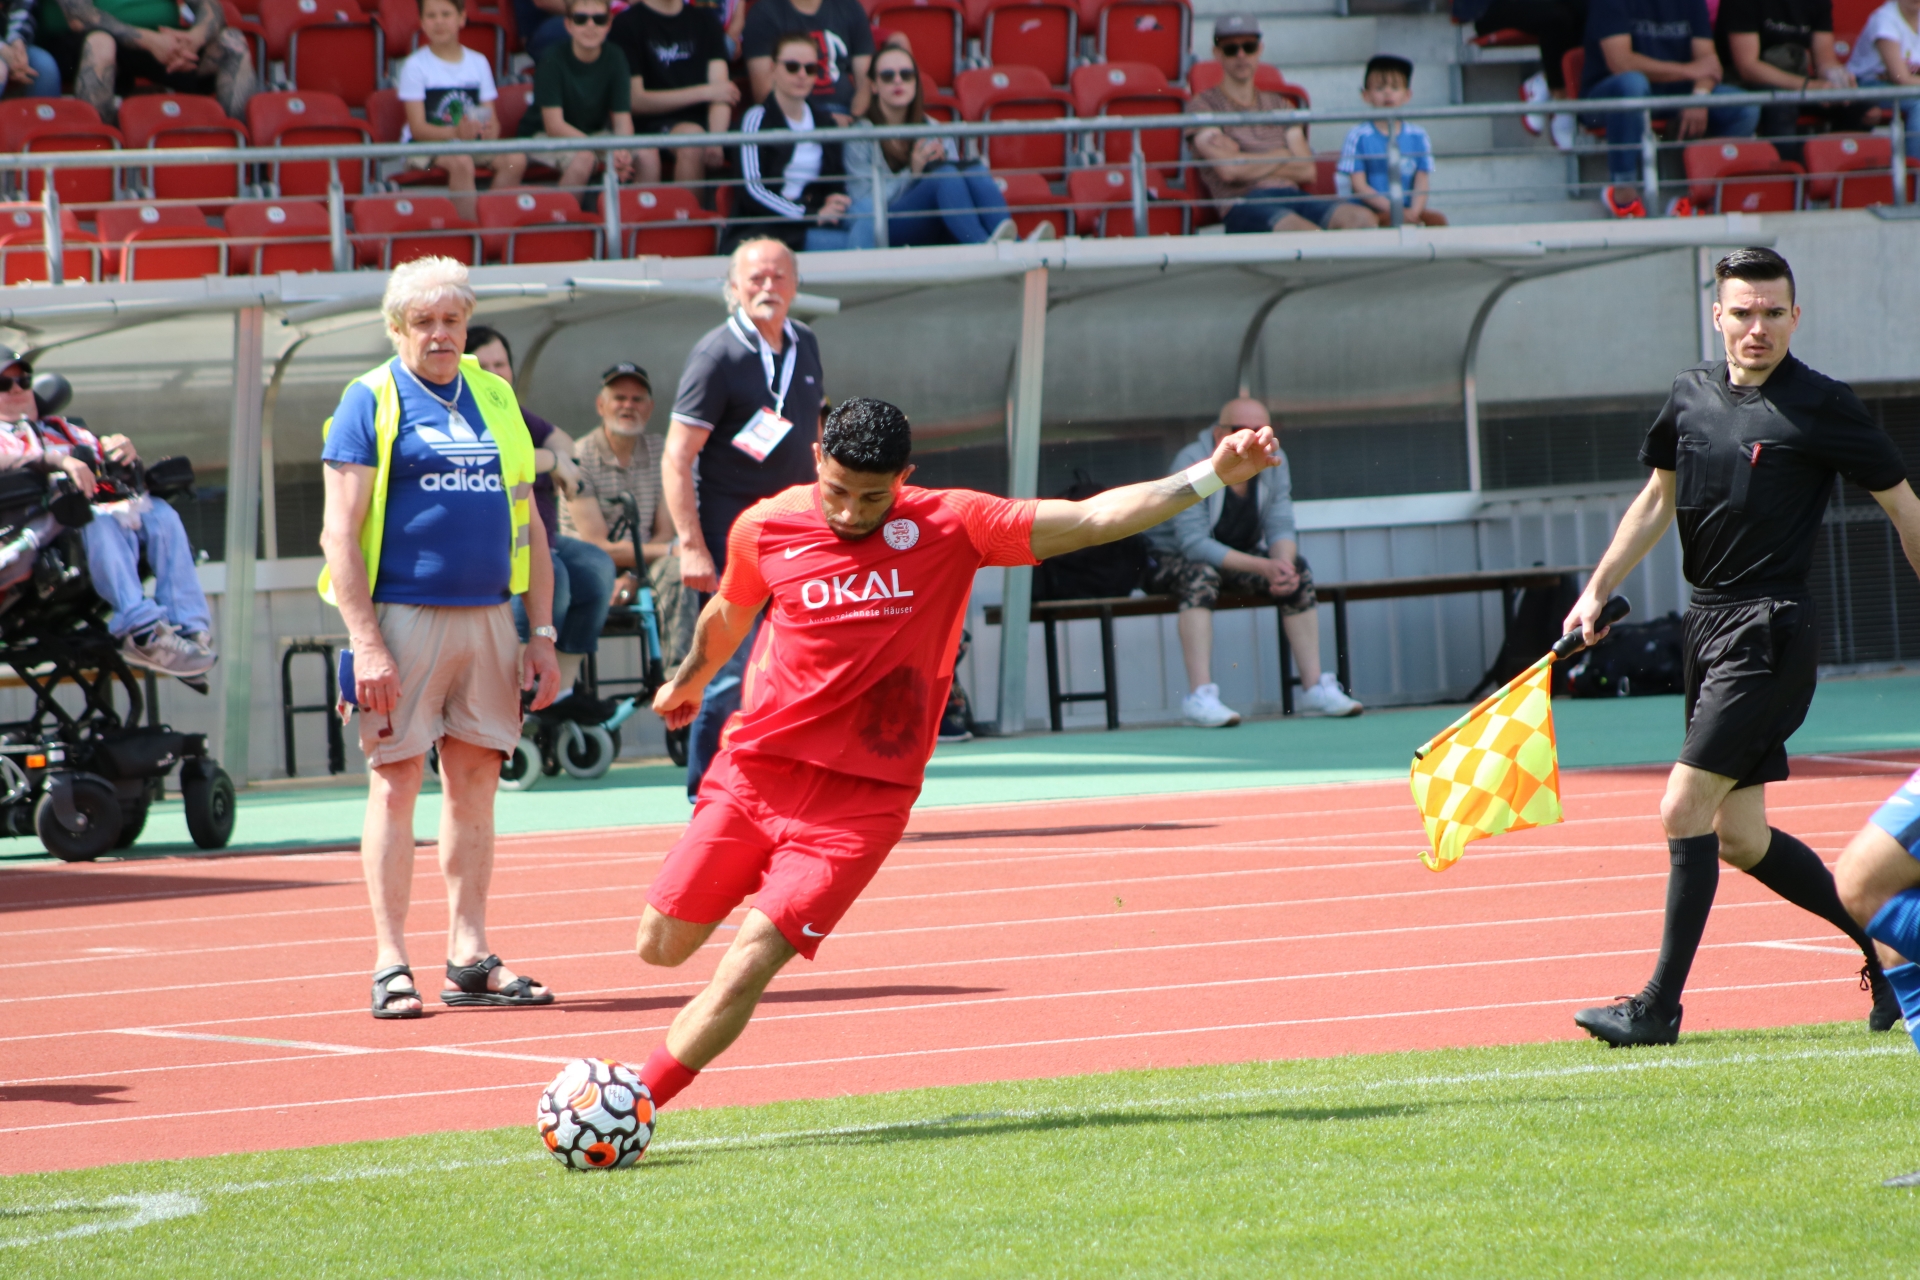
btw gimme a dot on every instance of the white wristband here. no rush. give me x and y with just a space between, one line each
1205 480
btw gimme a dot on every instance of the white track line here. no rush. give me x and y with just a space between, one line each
342 1049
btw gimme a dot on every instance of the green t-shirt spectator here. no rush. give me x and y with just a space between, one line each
587 93
149 14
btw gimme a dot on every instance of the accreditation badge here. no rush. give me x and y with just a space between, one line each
762 434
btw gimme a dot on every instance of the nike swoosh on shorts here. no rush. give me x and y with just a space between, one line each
811 932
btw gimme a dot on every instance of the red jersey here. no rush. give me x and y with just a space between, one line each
855 659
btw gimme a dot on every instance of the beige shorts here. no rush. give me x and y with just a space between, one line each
459 678
561 159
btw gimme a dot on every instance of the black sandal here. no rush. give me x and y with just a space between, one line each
383 993
471 983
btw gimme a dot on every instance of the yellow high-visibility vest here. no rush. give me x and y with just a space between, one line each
500 411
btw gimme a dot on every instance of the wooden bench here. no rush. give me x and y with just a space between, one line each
1050 613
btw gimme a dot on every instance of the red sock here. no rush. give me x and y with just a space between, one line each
665 1076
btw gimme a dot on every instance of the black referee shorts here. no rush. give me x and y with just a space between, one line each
1750 670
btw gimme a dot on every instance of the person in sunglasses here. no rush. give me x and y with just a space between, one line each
679 58
583 89
842 38
932 196
793 179
172 633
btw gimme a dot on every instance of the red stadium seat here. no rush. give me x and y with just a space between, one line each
1848 17
546 226
1745 176
23 257
75 186
329 46
1156 32
17 115
1130 89
666 222
486 34
1042 34
1202 76
307 119
386 115
269 236
514 102
933 30
155 253
1102 202
399 23
165 120
118 221
1850 170
1504 38
1016 93
1030 202
389 231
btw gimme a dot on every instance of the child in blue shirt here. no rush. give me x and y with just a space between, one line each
1362 175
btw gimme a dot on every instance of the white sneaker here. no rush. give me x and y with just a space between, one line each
1204 708
163 649
1042 233
1005 231
1562 131
1534 89
1326 699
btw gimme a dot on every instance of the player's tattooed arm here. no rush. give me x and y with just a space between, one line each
1060 527
720 630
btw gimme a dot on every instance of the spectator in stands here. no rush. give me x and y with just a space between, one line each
1649 48
678 55
542 25
104 46
1241 540
618 459
172 633
1557 26
582 573
1257 174
429 531
842 46
1363 168
448 92
582 89
932 196
1785 44
1887 51
26 70
791 186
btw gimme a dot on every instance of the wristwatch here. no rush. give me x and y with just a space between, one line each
547 633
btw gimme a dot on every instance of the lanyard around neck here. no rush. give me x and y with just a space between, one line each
743 329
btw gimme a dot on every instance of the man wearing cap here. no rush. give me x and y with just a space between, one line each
172 633
617 459
748 409
1257 174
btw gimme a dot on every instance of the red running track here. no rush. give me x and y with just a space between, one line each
185 1007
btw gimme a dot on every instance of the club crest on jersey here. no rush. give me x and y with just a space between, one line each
901 534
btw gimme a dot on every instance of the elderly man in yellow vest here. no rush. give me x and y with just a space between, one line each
429 533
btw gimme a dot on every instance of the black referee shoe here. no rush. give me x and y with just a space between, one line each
1631 1022
1886 1005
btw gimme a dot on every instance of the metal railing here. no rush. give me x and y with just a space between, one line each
974 134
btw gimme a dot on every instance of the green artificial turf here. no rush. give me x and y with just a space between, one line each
1736 1153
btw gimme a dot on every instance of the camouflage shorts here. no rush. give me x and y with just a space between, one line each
1198 585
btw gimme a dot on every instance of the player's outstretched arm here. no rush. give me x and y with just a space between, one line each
1903 508
1060 526
722 626
1640 528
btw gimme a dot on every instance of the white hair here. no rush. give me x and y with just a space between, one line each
423 282
739 256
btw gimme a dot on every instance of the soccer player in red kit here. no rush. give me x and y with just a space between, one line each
869 579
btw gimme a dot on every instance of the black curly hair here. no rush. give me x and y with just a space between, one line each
868 435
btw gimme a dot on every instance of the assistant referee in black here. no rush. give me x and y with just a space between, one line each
1743 456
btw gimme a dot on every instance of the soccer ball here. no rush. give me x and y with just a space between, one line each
596 1115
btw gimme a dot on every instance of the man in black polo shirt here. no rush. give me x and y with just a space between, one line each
1744 457
749 410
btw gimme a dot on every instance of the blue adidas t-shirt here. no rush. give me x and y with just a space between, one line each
448 520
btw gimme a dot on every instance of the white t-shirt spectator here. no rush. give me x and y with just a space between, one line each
1885 23
426 79
804 167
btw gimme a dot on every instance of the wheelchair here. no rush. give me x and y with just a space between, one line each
83 781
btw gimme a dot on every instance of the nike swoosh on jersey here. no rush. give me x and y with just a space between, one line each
811 932
791 552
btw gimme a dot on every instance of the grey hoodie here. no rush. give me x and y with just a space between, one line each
859 155
1191 532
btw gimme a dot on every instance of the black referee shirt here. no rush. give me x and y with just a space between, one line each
724 384
1753 470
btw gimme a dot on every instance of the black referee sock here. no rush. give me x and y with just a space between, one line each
1796 873
1691 883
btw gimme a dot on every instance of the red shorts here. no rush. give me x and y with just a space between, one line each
804 841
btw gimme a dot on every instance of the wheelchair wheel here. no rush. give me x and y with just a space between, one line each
521 770
133 820
99 811
209 804
585 750
677 745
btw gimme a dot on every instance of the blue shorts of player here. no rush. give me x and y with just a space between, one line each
1898 922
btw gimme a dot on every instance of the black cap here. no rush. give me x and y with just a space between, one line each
8 356
627 369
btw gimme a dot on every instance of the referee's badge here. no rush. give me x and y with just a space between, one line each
901 535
